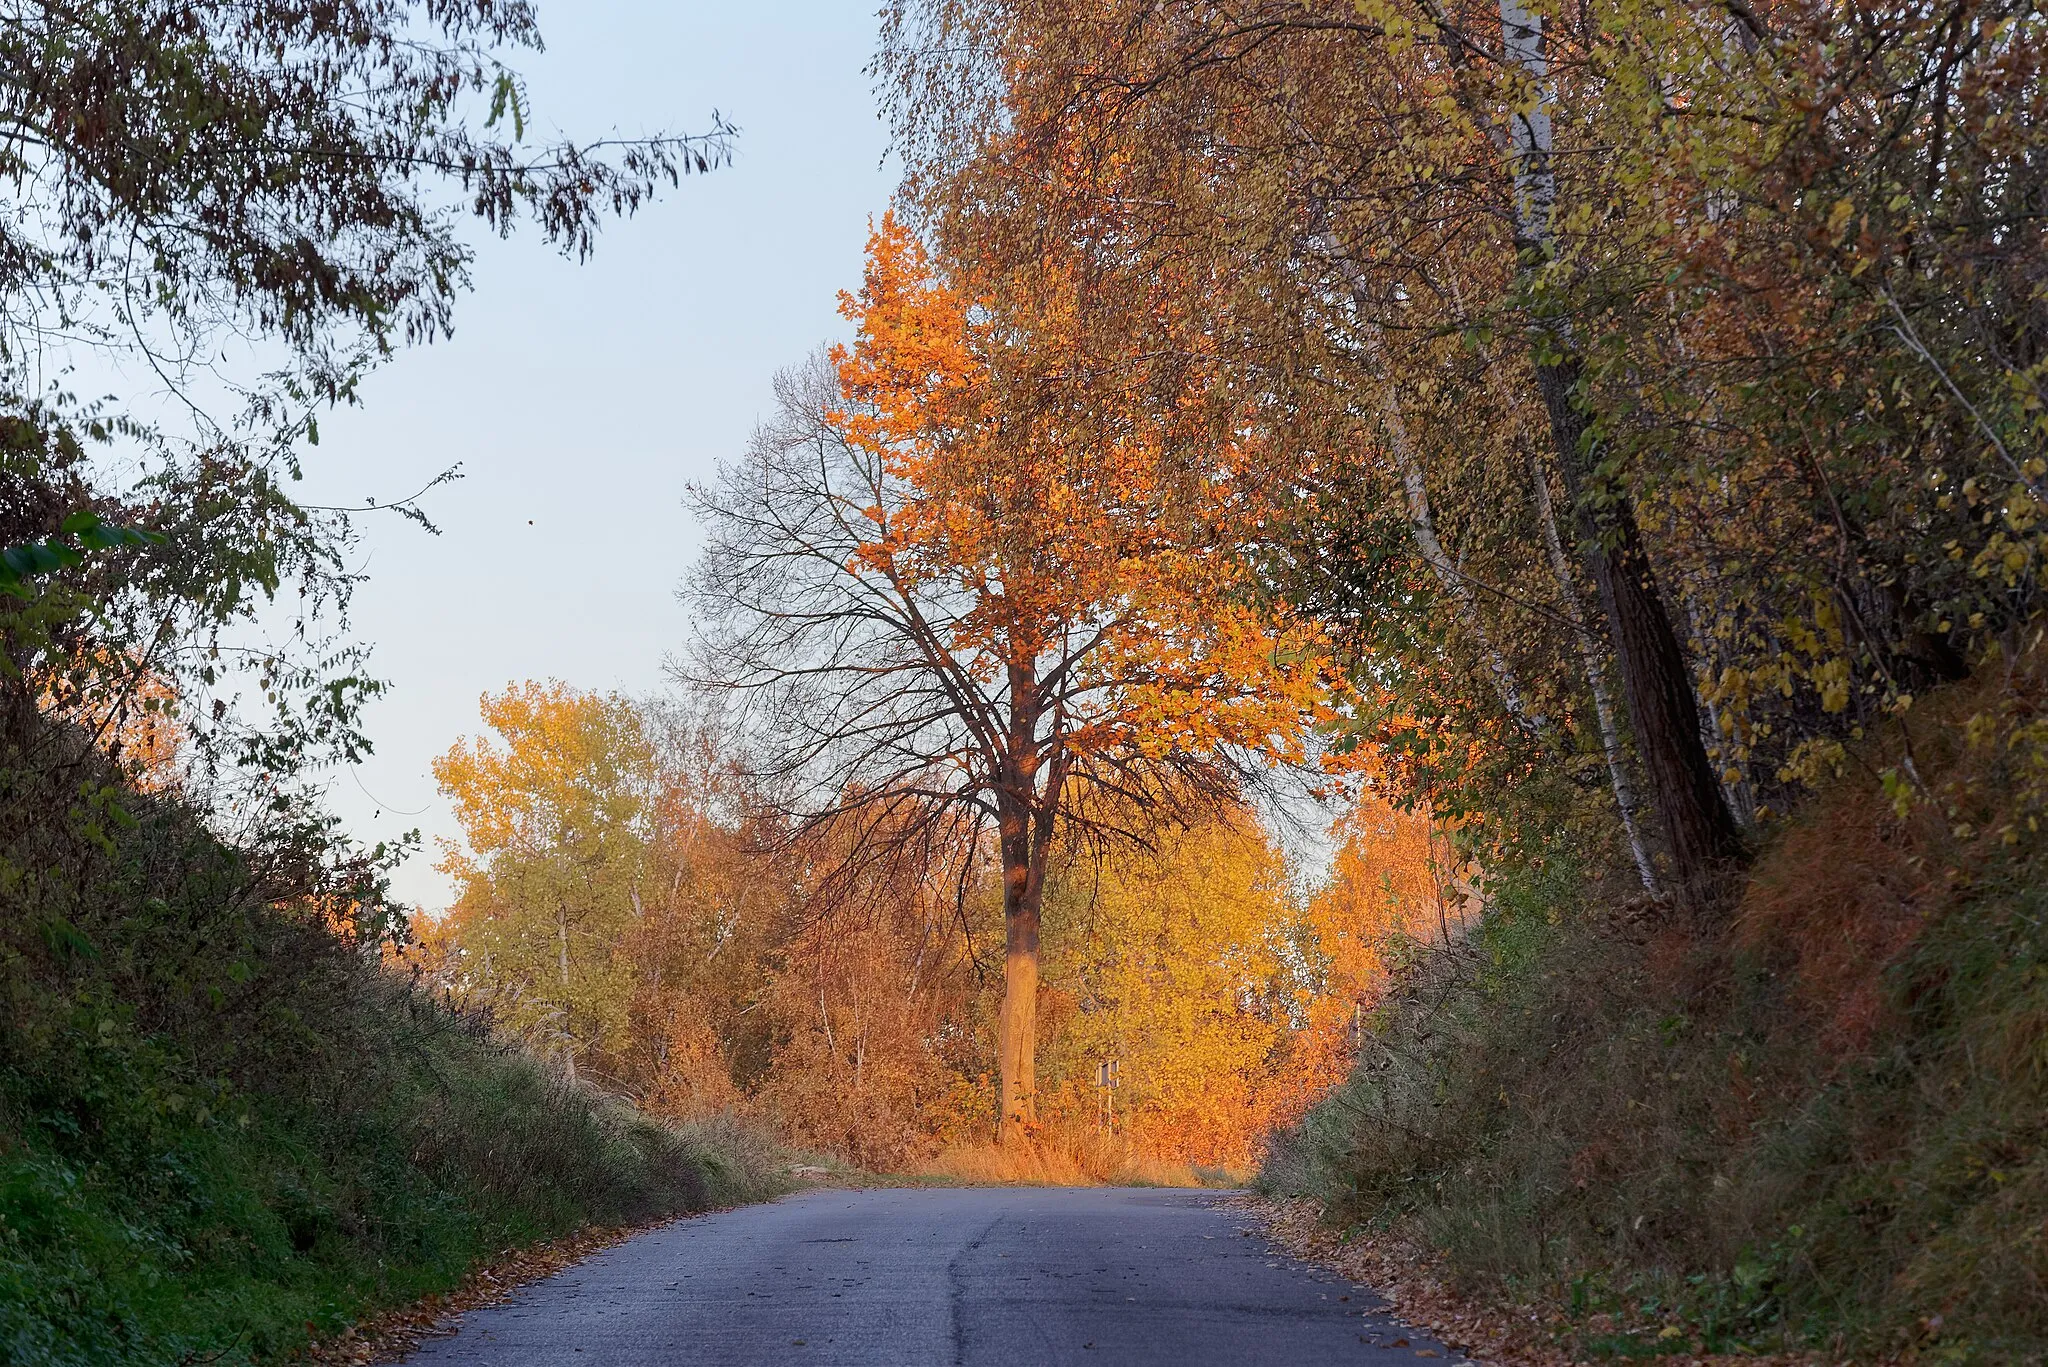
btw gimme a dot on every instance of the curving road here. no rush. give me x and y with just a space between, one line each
959 1276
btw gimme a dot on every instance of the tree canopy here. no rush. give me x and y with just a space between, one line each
958 591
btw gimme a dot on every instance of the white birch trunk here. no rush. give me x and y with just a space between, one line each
1531 146
1422 523
1421 520
1530 141
1625 799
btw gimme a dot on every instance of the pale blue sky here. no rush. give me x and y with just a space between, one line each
585 397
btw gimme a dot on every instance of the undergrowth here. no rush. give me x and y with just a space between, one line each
227 1127
1072 1156
1819 1123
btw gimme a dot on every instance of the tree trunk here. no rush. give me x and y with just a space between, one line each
1422 523
1596 677
562 946
1700 834
1022 826
1017 1025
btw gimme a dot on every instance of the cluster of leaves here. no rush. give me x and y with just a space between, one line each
82 531
287 181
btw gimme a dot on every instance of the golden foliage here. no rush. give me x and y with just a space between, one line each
1388 893
620 906
1168 962
553 814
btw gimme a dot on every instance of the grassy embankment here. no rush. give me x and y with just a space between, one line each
226 1129
1824 1125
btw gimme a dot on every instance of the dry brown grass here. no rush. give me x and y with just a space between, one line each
1064 1157
1495 1330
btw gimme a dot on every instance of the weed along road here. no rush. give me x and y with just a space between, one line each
969 1276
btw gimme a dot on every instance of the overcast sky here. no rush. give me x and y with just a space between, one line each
581 399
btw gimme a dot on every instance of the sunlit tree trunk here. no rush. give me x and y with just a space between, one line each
1023 892
1018 1023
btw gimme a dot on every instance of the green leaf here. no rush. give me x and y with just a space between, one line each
39 557
81 522
66 939
106 536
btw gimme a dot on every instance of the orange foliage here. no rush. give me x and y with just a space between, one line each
868 1009
1064 515
127 709
622 908
1386 888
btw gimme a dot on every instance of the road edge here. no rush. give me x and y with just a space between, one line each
389 1336
1419 1291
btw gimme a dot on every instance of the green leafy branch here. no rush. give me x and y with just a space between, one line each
35 559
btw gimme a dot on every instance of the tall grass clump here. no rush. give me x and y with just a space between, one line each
1070 1153
228 1124
1820 1122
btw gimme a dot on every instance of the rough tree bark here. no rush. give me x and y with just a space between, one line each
1700 833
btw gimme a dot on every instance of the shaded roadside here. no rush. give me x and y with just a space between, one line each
394 1333
1420 1293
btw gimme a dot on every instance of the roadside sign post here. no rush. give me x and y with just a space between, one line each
1106 1083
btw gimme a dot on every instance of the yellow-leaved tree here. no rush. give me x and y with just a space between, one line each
554 812
1169 961
1387 893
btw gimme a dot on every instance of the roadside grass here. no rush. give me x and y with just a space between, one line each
228 1129
1824 1127
1071 1156
146 1220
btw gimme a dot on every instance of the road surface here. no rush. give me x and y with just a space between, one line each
966 1277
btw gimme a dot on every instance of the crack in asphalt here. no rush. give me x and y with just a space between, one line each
956 1287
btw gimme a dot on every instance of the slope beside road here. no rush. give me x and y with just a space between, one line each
957 1276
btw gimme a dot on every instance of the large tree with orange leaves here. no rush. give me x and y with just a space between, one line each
965 601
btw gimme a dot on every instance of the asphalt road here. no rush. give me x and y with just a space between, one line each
960 1276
